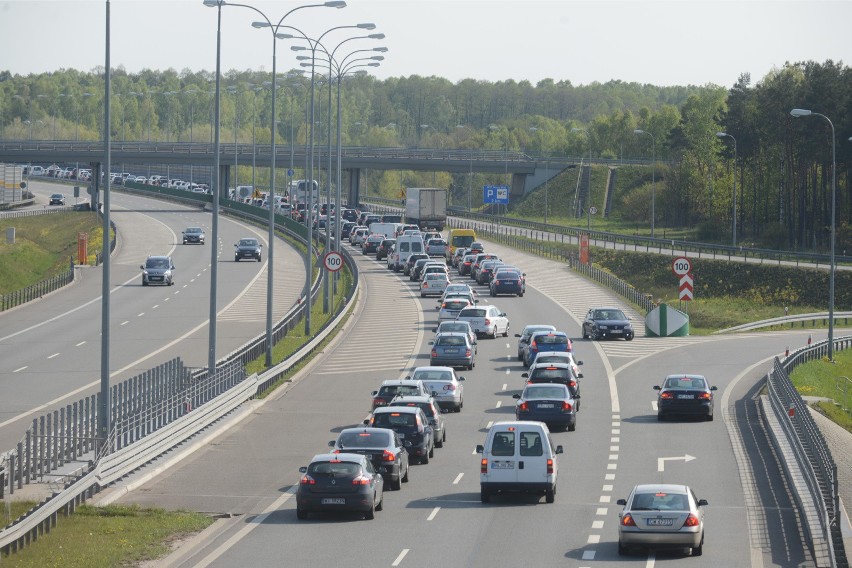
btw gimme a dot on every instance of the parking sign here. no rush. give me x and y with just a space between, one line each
495 194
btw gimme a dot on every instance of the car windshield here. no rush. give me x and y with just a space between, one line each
157 263
659 501
248 242
334 469
394 419
363 440
609 315
193 230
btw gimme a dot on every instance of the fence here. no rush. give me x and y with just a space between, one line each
813 456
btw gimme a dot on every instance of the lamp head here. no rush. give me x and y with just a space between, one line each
298 48
377 57
335 4
376 36
638 131
368 26
213 3
377 64
381 49
797 112
721 134
260 25
285 36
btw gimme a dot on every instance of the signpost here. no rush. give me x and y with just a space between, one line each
333 261
498 194
682 268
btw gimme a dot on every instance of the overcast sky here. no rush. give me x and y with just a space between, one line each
683 42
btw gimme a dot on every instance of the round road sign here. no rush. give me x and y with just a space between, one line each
681 266
593 210
333 261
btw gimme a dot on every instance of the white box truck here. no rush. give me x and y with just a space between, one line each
426 207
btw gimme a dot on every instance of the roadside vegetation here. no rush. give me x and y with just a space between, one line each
830 380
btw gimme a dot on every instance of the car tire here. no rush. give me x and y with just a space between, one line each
144 282
572 427
661 417
699 550
258 259
405 477
301 514
425 459
595 336
171 282
381 504
629 337
236 259
550 495
494 333
484 495
432 452
444 437
370 513
709 417
493 294
521 295
395 485
439 443
622 550
506 331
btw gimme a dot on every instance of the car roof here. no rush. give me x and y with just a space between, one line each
367 429
551 364
685 376
553 332
412 398
435 367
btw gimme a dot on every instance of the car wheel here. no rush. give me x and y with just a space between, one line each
550 495
493 294
521 295
144 282
494 333
395 485
629 338
699 550
461 405
258 259
595 336
425 459
660 417
622 550
184 242
432 452
171 282
710 417
301 514
506 331
484 495
572 427
236 259
381 504
439 443
444 436
370 513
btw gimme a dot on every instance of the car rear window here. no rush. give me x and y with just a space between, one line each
452 340
363 439
329 469
686 383
660 501
531 444
397 390
552 339
472 313
426 407
551 373
544 391
455 304
394 419
503 444
507 276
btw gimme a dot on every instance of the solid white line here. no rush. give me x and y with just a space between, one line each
652 557
432 515
400 557
250 526
52 356
19 369
458 478
81 343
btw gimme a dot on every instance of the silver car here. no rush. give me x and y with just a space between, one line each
158 270
661 516
486 320
455 326
452 306
446 387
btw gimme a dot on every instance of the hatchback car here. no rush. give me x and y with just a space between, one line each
444 384
688 395
486 269
410 262
359 235
384 248
661 516
546 341
193 235
525 336
566 357
432 410
395 387
603 323
455 326
450 308
461 289
57 199
548 403
508 282
247 248
353 230
457 256
436 247
464 264
453 350
371 243
486 320
339 482
158 270
560 373
382 446
434 284
411 425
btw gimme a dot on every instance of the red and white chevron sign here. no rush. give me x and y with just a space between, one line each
686 291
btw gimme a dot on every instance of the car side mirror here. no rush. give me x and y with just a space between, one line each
576 396
434 393
516 396
558 449
504 314
579 375
303 469
331 443
713 388
517 335
579 363
525 375
621 502
235 244
702 502
142 266
374 393
657 387
431 343
435 330
460 378
479 448
367 421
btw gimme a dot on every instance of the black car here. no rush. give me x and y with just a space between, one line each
383 248
339 482
508 282
411 425
346 228
687 395
417 268
561 373
602 323
549 403
382 446
247 248
432 411
412 258
57 199
371 244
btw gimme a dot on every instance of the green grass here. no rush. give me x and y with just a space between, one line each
11 510
112 536
818 378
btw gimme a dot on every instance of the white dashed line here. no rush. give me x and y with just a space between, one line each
458 478
166 299
609 476
588 555
192 280
489 424
654 405
601 511
81 343
19 369
605 499
613 448
433 513
155 306
185 286
616 432
607 488
499 404
140 314
52 356
400 557
613 457
594 539
616 424
597 524
125 322
614 440
612 466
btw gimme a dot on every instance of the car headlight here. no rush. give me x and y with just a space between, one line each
145 272
167 273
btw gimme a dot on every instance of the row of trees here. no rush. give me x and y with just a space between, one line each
782 171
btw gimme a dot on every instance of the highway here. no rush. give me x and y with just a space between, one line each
50 348
249 472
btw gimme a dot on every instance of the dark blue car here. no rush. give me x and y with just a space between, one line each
508 282
546 341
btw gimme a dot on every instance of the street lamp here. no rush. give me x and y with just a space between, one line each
796 113
589 185
734 226
653 181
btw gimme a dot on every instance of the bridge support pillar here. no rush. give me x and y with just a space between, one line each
516 191
95 196
354 195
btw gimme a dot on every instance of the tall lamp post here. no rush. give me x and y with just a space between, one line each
734 224
588 205
653 181
796 113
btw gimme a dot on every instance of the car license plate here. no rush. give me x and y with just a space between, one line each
453 350
502 465
615 331
547 405
660 522
337 501
686 396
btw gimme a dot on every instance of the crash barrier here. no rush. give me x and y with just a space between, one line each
814 319
131 448
814 461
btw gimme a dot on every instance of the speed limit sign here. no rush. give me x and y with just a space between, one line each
333 261
681 266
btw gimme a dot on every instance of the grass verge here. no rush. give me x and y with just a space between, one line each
825 379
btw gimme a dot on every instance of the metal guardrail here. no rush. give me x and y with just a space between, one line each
802 319
813 456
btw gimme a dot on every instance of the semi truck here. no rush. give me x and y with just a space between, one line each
426 207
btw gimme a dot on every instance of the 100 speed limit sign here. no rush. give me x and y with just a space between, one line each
681 266
333 261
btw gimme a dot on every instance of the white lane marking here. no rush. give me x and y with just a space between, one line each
433 513
155 306
612 466
504 386
507 371
400 557
615 440
52 356
613 448
652 557
140 314
615 432
661 462
588 555
489 424
616 424
654 405
474 451
81 343
185 286
613 457
601 511
177 292
609 477
193 279
605 499
499 404
594 539
458 478
166 299
125 322
616 416
607 488
597 524
256 522
19 369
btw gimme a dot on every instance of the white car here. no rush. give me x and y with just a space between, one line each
486 320
450 308
558 357
460 289
434 284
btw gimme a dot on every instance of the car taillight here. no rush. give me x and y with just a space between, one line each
572 384
361 480
549 466
627 521
487 321
434 353
378 402
388 456
533 344
704 396
466 354
496 282
666 395
443 306
308 480
691 521
524 406
483 466
566 407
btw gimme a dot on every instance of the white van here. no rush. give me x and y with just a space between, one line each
518 456
406 245
386 229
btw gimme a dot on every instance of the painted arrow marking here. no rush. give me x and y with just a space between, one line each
661 462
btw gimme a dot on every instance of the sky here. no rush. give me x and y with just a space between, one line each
684 42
